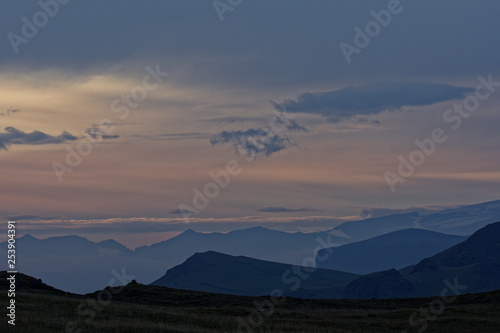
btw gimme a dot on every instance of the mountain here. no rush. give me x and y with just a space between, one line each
65 262
462 221
468 267
67 245
397 250
111 244
221 273
272 245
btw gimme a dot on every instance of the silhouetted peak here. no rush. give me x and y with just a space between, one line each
488 233
256 229
112 244
189 231
28 237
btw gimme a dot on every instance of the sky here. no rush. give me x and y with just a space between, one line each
115 114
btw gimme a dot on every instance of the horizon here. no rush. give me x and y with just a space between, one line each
132 241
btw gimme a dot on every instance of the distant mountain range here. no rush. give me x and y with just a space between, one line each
397 250
462 221
256 242
469 267
66 262
78 265
72 245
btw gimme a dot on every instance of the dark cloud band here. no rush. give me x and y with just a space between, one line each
13 136
371 99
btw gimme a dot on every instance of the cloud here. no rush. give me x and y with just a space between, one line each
294 126
96 132
139 225
9 112
13 136
253 141
273 209
106 137
425 210
371 99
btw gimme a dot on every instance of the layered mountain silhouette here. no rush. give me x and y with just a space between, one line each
65 262
78 265
475 262
71 245
471 266
397 250
256 242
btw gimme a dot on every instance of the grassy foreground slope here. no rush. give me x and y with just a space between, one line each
140 308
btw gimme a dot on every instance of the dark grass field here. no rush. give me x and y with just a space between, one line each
139 308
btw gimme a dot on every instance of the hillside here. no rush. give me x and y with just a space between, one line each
26 283
221 273
468 267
